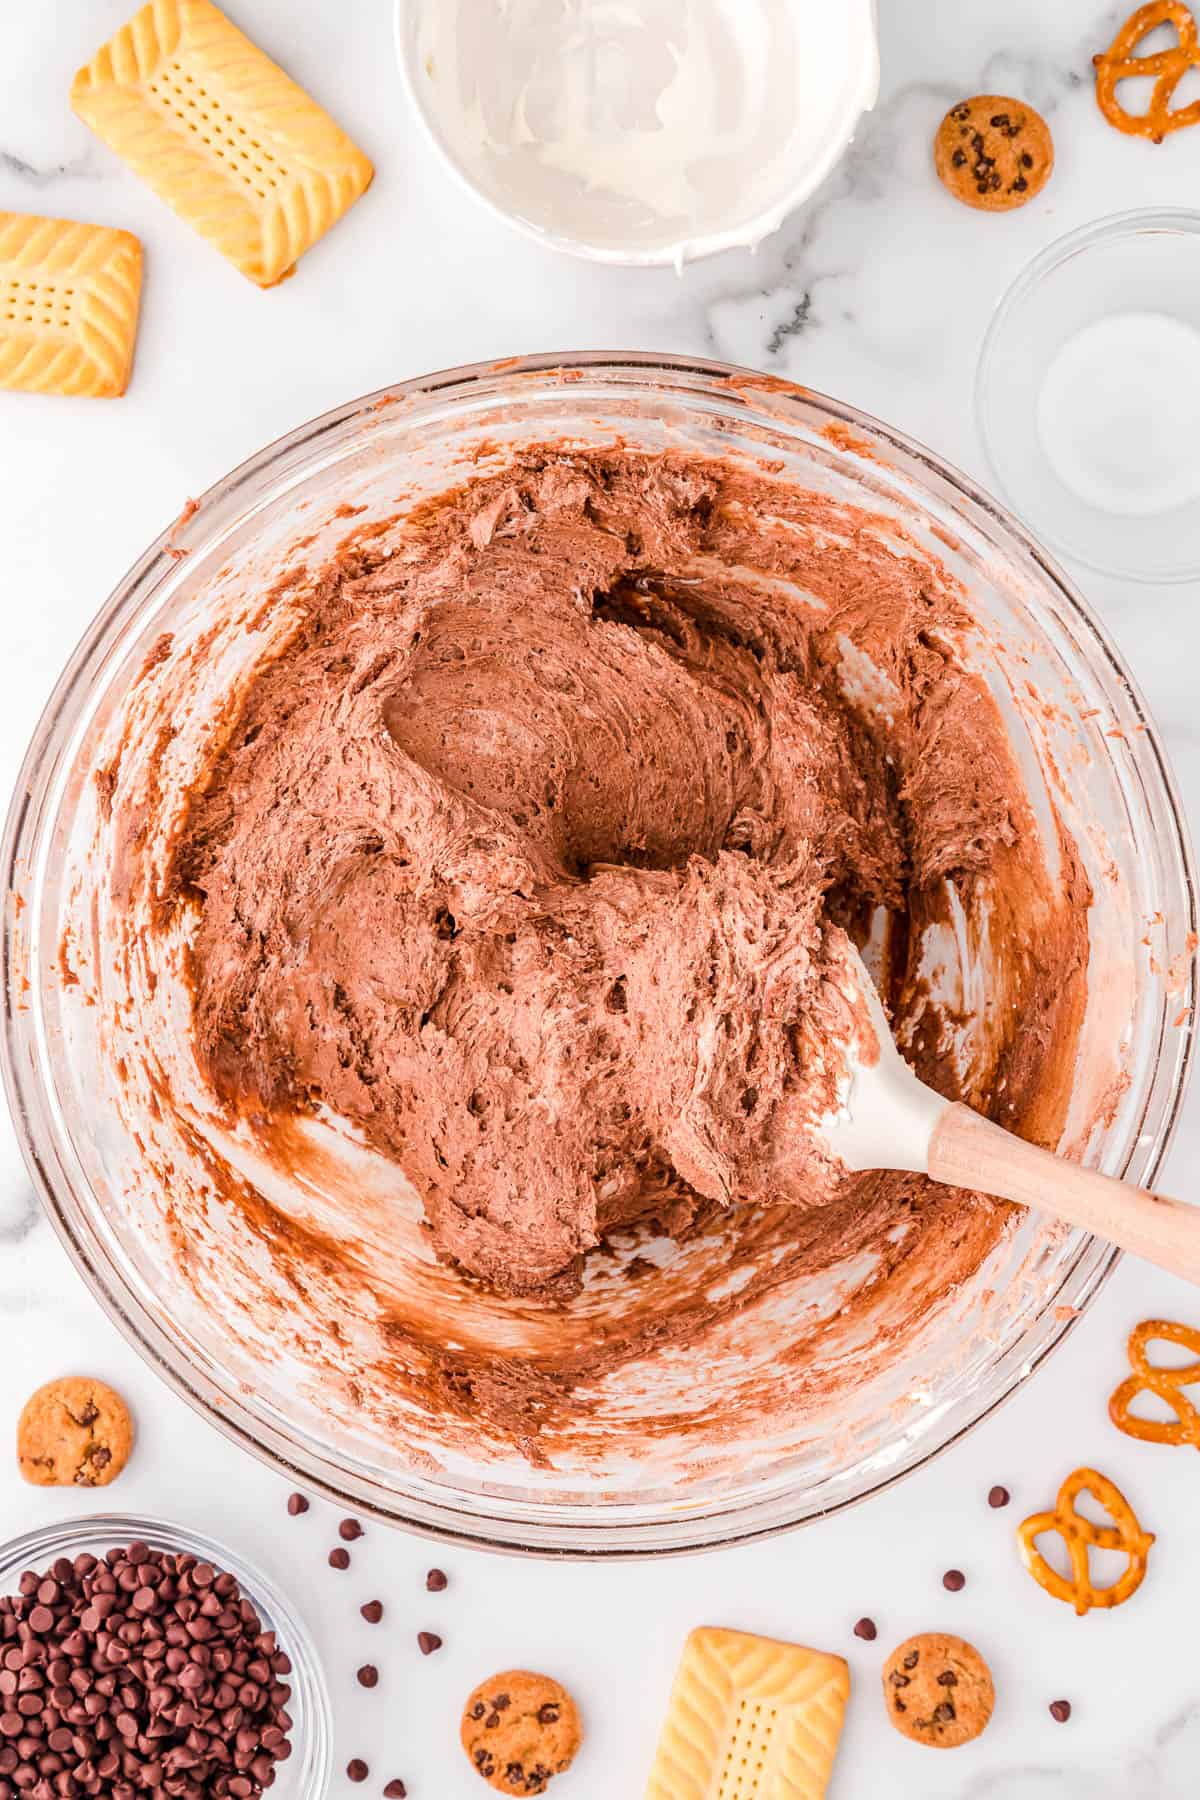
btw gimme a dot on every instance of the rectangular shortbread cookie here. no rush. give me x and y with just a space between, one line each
750 1719
221 134
69 297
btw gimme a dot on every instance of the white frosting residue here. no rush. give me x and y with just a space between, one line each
644 126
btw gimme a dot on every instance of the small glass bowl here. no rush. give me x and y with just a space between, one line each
305 1775
1135 263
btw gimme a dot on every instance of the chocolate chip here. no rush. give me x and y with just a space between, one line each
947 1678
372 1612
514 1771
1060 1710
437 1581
153 1676
897 1679
1026 160
501 1702
356 1769
429 1642
999 119
998 1496
350 1531
954 1581
867 1630
549 1714
959 159
912 1659
395 1790
297 1504
368 1676
478 1710
943 1712
491 1722
339 1559
1019 185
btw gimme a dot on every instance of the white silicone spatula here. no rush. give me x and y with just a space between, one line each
888 1119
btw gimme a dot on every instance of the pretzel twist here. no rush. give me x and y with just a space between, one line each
1152 1378
1168 67
1081 1536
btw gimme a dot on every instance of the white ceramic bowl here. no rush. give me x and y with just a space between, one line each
645 134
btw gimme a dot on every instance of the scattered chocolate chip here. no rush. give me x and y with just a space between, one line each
954 1581
429 1642
350 1531
437 1581
1060 1710
998 1496
372 1612
395 1790
943 1712
339 1559
867 1630
297 1504
368 1676
356 1769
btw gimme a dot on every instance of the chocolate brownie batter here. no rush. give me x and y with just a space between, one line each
530 853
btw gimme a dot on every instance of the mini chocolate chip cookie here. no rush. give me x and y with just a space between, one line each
520 1730
938 1690
993 153
74 1433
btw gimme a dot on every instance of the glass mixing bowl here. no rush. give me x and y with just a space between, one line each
1077 724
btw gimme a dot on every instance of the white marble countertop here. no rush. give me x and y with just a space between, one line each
879 292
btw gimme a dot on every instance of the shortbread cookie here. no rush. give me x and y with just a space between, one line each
221 134
69 298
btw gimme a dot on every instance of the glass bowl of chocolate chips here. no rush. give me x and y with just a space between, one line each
138 1658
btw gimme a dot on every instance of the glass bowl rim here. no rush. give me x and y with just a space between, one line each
312 1745
596 1532
1179 220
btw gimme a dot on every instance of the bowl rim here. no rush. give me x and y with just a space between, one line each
746 236
603 1533
1180 221
312 1735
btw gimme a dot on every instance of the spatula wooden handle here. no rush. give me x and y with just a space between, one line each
971 1152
